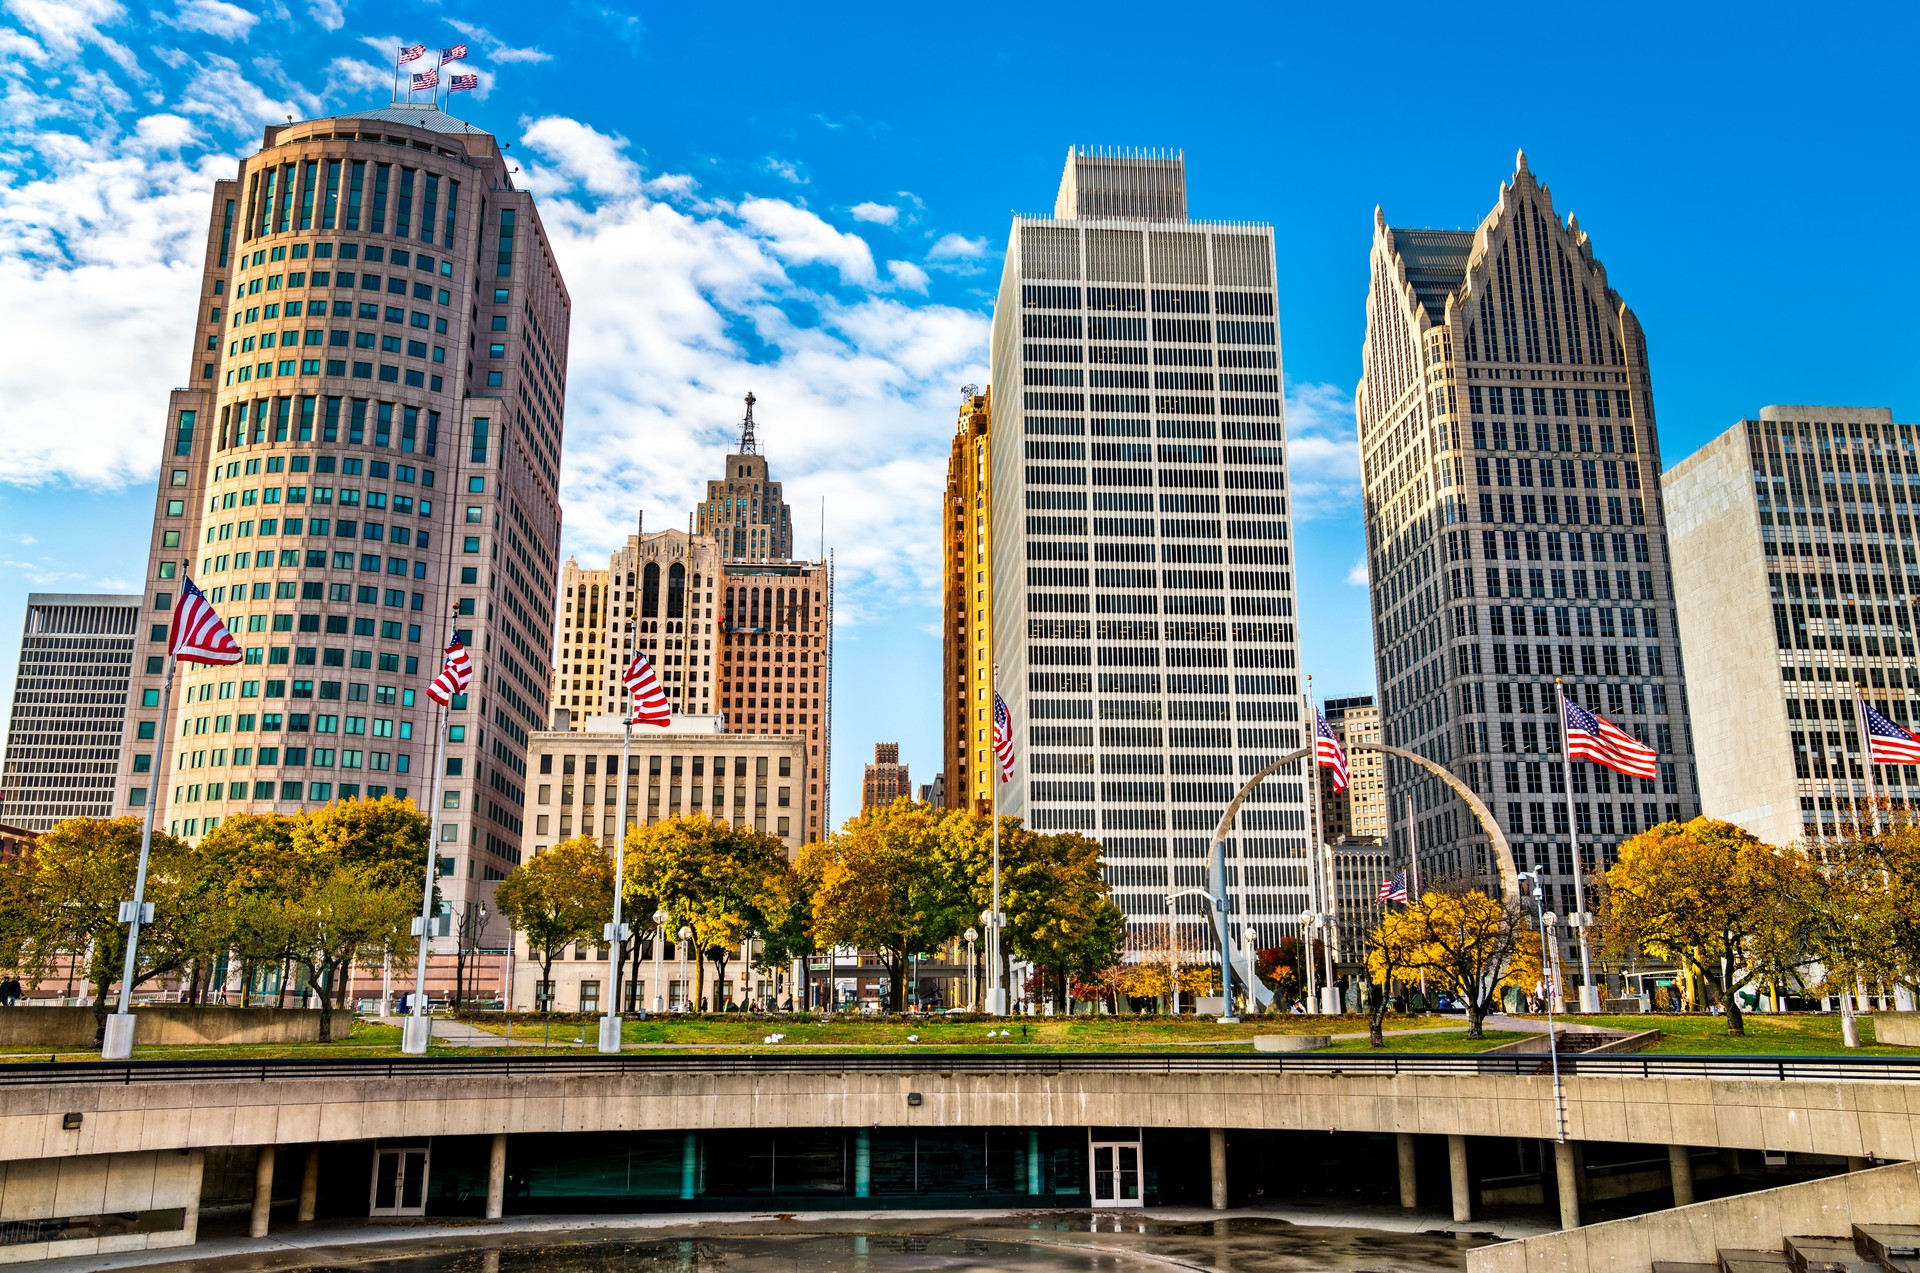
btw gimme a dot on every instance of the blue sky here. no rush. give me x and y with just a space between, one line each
811 203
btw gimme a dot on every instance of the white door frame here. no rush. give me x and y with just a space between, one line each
401 1154
1118 1149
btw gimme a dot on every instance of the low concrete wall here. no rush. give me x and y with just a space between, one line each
171 1024
1900 1029
1572 1041
83 1204
1697 1234
1290 1042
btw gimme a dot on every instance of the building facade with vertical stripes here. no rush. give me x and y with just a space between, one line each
1142 577
1795 569
1515 534
966 622
369 441
69 708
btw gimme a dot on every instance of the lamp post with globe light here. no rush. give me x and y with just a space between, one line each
973 997
686 935
660 918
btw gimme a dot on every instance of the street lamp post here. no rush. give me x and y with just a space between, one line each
686 935
659 958
1546 918
973 996
1250 935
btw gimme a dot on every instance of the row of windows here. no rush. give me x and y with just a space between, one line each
349 195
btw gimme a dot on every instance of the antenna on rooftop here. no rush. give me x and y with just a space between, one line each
748 446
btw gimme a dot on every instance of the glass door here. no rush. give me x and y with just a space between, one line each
399 1182
1116 1173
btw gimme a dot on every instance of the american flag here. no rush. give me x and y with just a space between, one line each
455 673
1395 889
1887 743
649 700
412 53
425 79
461 83
1003 738
458 53
198 635
1595 738
1329 753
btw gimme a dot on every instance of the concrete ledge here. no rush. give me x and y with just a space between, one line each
170 1024
1290 1042
1762 1220
1899 1029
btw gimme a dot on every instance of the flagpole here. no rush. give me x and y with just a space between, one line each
396 72
1866 745
419 1026
1589 993
118 1043
1413 864
997 990
616 931
1313 852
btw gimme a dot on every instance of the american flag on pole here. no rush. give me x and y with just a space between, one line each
423 80
1595 738
649 700
1003 737
411 53
1328 752
198 635
462 83
1887 743
454 676
458 53
1395 889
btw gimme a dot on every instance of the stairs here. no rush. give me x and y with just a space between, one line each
1873 1248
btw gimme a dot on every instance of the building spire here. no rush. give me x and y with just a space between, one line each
748 446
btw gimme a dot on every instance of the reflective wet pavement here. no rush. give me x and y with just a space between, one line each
1050 1243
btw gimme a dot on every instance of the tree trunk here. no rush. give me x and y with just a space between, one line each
1376 1014
100 1011
286 970
699 980
326 1011
897 975
544 991
719 977
1060 994
1736 1023
1476 1016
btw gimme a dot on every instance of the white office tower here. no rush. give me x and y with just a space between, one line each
1143 617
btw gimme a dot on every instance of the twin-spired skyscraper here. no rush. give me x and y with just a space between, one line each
1141 567
1511 471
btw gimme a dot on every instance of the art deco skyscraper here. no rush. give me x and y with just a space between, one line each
1510 466
745 511
69 708
966 629
1794 572
1143 613
370 441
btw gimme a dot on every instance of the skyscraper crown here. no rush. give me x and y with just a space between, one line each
1149 185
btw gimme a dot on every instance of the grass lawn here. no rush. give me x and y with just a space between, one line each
1800 1034
1451 1041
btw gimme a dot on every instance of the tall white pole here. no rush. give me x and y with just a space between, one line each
1413 869
997 991
1589 993
1317 882
118 1043
616 933
419 1026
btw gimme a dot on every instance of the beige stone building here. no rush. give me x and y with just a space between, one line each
693 768
885 779
369 440
580 663
1794 573
661 594
1515 535
775 661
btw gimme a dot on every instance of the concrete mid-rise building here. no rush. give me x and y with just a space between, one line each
64 733
885 779
369 441
1141 554
966 628
1515 537
1357 812
1794 573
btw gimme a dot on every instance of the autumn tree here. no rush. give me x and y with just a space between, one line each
246 864
879 884
727 883
1468 944
1705 894
1396 950
1059 914
558 897
385 836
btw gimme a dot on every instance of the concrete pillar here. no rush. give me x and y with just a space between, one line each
1457 1175
1566 1172
262 1191
1680 1167
196 1173
497 1177
1217 1163
310 1185
1036 1171
1409 1174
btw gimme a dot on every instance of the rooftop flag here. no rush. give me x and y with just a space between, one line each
411 53
462 83
423 80
458 53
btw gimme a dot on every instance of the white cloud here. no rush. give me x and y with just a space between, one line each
215 18
1357 573
908 275
497 50
785 169
800 237
1323 456
366 77
876 213
220 91
957 247
64 27
583 156
330 14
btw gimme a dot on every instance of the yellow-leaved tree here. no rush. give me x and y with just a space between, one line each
1469 945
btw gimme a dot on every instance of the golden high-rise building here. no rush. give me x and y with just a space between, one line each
580 667
967 628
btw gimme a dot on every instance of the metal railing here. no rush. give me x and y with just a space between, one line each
948 1064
